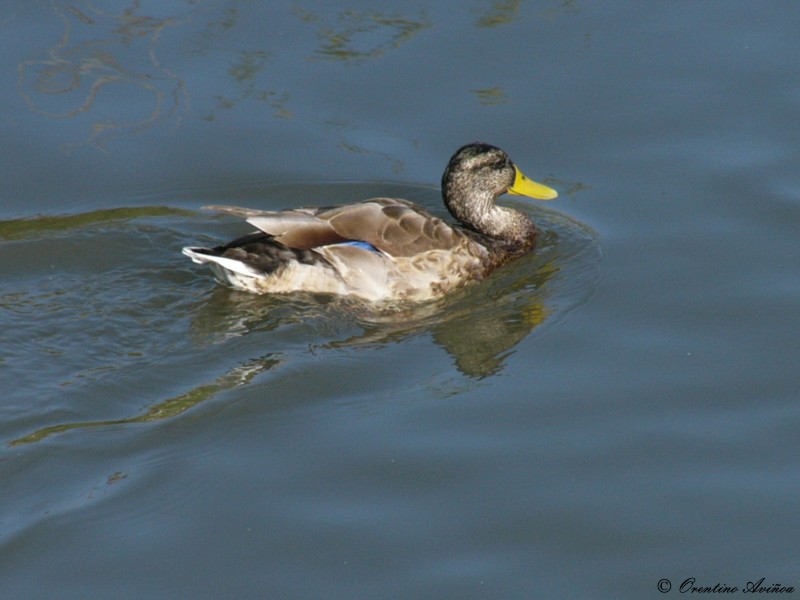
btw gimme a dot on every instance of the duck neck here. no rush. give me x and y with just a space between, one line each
480 213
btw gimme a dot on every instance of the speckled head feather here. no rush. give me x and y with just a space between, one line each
474 178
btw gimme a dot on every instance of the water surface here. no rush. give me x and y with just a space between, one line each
615 409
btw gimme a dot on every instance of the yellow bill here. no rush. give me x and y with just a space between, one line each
527 187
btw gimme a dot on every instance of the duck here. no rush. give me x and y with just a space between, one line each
385 249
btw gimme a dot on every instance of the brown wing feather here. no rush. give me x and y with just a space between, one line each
308 237
396 227
297 229
392 225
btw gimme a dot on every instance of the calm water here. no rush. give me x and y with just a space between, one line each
619 408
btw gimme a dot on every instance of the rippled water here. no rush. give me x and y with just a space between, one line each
108 303
607 417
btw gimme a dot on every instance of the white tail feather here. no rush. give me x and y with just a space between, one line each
227 263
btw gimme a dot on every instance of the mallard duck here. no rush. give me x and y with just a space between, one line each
385 249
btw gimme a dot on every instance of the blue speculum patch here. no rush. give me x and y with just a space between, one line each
360 244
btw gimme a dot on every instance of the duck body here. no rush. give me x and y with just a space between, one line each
385 249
